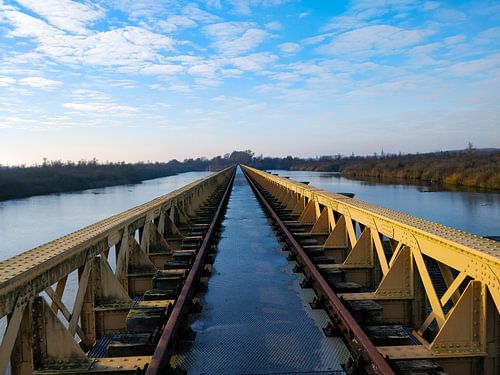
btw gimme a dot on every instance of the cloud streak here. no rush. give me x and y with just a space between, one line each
40 82
65 14
373 40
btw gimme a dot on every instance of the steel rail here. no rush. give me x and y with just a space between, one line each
161 357
29 273
476 256
361 346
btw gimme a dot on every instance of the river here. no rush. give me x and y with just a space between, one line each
474 212
29 222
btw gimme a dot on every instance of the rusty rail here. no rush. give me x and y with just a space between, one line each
439 284
351 331
162 354
143 237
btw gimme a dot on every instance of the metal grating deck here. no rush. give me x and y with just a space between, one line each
256 318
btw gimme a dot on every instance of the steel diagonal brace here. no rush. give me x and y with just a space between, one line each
7 344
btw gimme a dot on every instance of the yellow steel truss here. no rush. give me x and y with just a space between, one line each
469 265
24 276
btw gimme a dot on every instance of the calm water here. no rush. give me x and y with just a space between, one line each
478 213
26 223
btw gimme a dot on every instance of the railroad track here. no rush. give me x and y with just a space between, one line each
124 323
209 216
366 357
381 329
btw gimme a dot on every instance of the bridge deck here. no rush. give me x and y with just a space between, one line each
256 318
402 294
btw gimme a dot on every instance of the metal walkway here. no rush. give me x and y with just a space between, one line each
256 319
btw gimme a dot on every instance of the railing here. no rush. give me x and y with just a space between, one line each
454 308
134 235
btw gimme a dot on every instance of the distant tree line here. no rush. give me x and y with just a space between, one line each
468 168
474 168
57 177
471 168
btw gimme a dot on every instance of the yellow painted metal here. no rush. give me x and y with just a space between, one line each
461 330
45 265
102 299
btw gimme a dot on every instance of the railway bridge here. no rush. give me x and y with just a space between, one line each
400 294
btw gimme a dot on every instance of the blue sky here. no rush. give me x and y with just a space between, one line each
156 80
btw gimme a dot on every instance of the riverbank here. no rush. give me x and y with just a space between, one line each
55 177
465 169
470 168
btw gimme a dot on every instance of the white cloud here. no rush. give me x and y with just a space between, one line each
65 14
366 9
194 12
289 48
430 5
373 40
286 76
126 46
234 38
213 3
180 88
219 98
28 58
162 69
450 16
491 35
26 26
485 65
185 59
344 23
173 23
254 62
382 89
100 107
421 55
451 40
244 6
363 13
15 121
274 26
123 83
39 82
316 39
206 70
6 81
86 95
